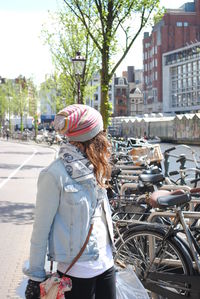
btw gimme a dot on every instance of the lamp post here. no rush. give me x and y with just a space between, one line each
78 64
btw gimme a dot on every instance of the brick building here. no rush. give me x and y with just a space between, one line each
177 29
121 96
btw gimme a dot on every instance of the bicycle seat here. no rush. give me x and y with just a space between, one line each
173 200
115 172
151 178
152 200
152 170
195 190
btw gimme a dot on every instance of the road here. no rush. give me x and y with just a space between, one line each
20 165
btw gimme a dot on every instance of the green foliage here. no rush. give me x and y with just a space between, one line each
20 99
105 21
32 97
36 124
17 97
65 37
7 96
55 93
159 15
3 102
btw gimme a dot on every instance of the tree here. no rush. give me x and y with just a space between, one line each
53 94
3 103
7 94
104 20
21 99
65 38
33 103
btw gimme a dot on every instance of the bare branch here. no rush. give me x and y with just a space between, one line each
142 24
83 20
124 17
99 7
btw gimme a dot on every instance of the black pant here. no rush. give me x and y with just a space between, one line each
99 287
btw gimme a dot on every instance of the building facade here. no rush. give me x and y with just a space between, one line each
121 97
181 87
95 100
177 29
136 102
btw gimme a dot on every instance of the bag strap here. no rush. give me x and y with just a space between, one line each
81 251
79 254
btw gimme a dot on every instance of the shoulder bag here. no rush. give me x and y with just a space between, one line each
55 286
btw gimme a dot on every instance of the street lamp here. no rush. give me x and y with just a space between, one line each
78 64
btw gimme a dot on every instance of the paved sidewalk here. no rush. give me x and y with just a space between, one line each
17 202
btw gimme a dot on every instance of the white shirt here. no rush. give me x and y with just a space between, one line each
89 269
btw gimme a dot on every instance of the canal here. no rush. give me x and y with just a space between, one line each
187 151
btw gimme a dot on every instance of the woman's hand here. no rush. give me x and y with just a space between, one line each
33 289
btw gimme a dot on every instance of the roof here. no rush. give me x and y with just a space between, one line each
135 90
123 79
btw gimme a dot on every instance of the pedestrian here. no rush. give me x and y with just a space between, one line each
71 195
7 133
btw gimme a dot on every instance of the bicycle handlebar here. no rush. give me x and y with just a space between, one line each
195 180
169 149
173 172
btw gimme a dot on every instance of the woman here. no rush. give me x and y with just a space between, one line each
71 195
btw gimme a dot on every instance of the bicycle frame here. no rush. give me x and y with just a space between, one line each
179 217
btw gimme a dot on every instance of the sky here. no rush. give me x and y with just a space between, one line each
22 51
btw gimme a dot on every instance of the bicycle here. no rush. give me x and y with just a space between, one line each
182 175
164 257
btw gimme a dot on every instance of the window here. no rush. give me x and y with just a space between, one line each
185 24
194 81
123 91
184 69
174 100
179 85
179 101
189 68
120 102
174 85
179 24
194 66
121 81
198 97
118 91
174 71
184 84
189 82
179 70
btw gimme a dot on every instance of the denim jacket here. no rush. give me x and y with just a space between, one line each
63 213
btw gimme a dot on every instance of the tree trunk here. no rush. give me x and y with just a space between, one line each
104 89
36 125
21 122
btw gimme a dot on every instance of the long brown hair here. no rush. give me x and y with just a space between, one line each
98 151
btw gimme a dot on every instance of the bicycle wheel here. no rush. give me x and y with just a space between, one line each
143 248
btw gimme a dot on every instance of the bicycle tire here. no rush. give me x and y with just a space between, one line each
134 250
